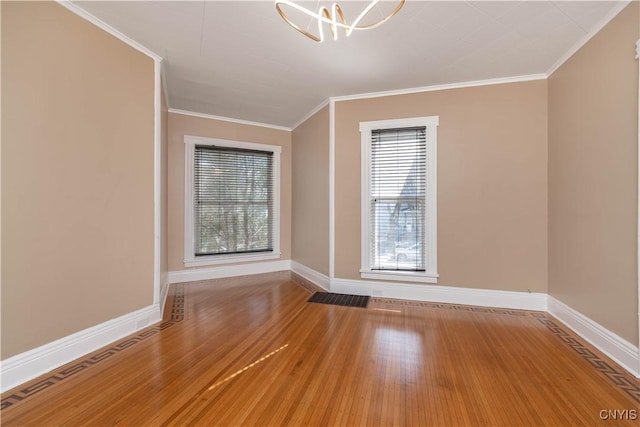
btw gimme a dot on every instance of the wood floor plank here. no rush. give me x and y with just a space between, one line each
252 351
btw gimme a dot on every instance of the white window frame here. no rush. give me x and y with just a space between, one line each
430 275
190 260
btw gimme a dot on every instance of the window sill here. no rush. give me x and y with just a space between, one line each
230 259
403 276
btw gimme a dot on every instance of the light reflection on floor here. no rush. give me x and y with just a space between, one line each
401 346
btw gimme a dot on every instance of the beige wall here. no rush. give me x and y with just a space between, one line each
181 125
593 137
310 211
492 182
77 176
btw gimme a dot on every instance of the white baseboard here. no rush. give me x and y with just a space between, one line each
311 275
164 291
219 272
26 366
443 294
618 349
422 292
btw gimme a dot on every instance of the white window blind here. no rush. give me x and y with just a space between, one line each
232 200
397 199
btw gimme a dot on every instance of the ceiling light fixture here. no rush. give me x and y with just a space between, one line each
334 17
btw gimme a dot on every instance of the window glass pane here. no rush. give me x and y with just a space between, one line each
233 206
397 199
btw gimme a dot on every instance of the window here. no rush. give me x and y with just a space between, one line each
399 199
231 201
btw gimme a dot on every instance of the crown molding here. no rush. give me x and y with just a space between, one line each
72 7
433 88
612 14
227 119
334 99
311 113
541 76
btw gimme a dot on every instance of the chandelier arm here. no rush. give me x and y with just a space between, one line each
337 11
334 18
324 11
362 15
383 20
297 28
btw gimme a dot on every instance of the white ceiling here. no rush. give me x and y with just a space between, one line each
239 59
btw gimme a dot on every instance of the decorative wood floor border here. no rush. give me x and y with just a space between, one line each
306 284
618 377
458 307
176 316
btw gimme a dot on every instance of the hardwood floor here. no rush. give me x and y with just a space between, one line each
252 351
